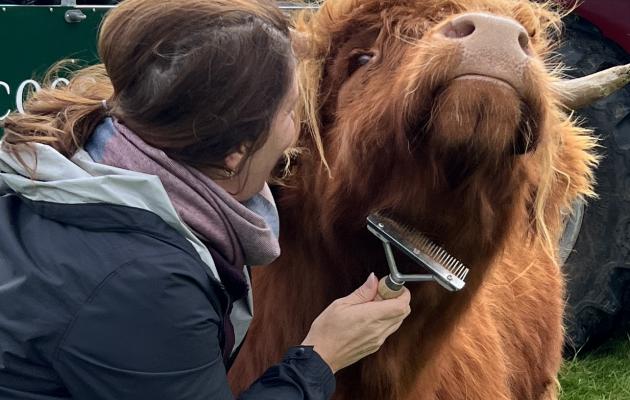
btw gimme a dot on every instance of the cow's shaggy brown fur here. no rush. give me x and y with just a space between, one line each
487 173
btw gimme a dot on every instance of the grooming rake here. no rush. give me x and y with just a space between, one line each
443 268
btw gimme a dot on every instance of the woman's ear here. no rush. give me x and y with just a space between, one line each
233 160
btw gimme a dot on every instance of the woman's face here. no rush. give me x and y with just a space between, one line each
257 169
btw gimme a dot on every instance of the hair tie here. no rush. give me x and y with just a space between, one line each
104 104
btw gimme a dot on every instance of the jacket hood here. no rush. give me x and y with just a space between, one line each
80 180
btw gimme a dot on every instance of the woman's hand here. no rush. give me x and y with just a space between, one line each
356 325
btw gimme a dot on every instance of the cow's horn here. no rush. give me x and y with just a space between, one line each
581 92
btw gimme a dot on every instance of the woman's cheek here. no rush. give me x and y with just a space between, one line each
292 130
287 134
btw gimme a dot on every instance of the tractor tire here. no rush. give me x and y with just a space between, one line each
598 265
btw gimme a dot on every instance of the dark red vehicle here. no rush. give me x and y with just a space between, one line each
612 17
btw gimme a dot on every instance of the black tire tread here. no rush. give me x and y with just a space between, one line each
598 270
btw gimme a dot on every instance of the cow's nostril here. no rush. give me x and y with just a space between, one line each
523 40
459 29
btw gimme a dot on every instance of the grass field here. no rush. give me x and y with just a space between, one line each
600 375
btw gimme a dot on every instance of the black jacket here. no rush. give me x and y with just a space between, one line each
103 301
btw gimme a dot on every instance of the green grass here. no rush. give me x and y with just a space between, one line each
601 375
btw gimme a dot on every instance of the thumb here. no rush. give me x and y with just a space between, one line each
365 293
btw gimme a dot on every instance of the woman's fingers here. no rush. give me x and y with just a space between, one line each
384 310
355 326
365 293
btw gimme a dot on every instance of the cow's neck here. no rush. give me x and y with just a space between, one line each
341 252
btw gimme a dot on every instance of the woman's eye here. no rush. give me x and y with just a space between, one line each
357 61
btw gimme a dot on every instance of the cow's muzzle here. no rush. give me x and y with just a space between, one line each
490 46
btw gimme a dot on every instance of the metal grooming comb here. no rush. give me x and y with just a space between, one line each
443 268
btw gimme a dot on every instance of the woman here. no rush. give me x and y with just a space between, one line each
131 202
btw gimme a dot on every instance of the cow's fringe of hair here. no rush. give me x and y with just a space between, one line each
310 70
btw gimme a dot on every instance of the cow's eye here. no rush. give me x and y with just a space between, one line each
357 61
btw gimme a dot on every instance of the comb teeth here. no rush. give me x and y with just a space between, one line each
437 253
419 244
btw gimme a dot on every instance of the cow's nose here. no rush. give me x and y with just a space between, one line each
490 45
477 29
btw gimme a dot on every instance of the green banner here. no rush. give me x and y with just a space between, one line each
36 37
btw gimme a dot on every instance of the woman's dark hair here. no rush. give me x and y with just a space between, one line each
195 78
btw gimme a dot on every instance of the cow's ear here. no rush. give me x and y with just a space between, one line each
302 44
308 46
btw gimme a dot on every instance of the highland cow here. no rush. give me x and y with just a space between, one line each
445 115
